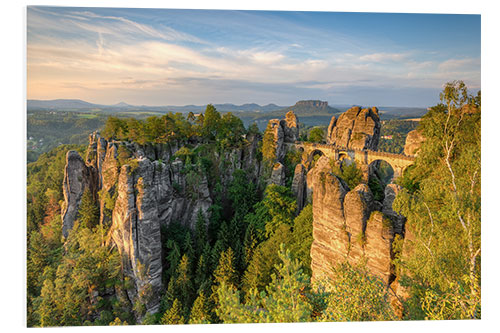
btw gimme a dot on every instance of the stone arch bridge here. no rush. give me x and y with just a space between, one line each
362 157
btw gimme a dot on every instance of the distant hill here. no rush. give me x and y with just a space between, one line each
56 104
309 112
82 106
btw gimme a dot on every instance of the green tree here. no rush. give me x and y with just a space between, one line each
317 134
173 316
264 258
183 286
88 213
282 301
354 295
281 206
440 264
200 313
302 238
350 173
211 122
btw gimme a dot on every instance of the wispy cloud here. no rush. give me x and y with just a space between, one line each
115 57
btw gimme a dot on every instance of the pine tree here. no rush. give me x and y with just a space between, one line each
88 211
173 258
184 284
200 234
224 274
173 316
200 313
249 244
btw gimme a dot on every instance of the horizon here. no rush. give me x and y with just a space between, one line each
160 57
236 104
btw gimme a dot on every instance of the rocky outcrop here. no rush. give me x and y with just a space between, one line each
379 235
278 132
349 225
140 189
136 232
290 127
299 186
358 205
356 128
275 131
330 239
78 177
414 141
278 174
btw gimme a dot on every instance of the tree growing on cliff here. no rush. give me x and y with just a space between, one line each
88 211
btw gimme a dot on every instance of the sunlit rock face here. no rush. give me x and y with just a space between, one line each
350 226
356 128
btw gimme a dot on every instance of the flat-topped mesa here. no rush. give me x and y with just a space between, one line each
356 128
312 103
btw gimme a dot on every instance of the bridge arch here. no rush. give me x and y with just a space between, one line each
383 170
345 158
313 156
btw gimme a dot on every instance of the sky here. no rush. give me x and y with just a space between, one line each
180 57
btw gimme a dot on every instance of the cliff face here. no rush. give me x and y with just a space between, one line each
349 225
140 189
78 177
356 128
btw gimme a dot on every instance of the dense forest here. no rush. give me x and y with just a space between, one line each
249 259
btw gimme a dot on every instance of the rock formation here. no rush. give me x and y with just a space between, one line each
278 174
282 131
414 141
349 225
290 127
141 188
78 177
299 186
356 128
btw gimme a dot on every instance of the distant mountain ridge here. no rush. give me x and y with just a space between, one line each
80 105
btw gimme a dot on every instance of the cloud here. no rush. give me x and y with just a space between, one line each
384 57
112 56
464 64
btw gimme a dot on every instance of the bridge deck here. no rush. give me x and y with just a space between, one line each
372 153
